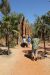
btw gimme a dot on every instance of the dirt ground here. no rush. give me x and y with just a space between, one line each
18 64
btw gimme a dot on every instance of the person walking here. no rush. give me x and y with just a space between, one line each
29 41
35 45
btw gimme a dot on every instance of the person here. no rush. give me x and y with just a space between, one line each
29 40
35 45
24 42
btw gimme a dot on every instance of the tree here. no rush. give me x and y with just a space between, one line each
41 29
46 19
5 7
0 28
6 27
15 22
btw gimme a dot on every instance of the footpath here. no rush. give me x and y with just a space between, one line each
17 64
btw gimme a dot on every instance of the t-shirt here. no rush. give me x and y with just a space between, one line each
24 40
29 39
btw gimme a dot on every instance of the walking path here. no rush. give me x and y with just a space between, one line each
18 64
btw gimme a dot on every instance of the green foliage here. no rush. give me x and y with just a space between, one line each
42 26
5 7
9 27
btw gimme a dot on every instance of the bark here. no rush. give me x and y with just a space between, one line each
44 42
17 40
6 40
41 36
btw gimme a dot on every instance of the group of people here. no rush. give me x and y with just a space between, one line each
35 42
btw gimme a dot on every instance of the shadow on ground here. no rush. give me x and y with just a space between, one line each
27 53
4 52
40 55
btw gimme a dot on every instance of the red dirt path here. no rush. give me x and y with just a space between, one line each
18 64
25 66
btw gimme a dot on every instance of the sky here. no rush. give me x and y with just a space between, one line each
30 8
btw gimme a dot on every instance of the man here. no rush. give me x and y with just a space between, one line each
35 43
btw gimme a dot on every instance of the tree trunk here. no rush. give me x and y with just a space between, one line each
17 40
41 36
48 38
8 48
6 40
44 43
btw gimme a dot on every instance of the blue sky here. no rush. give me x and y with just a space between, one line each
30 8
